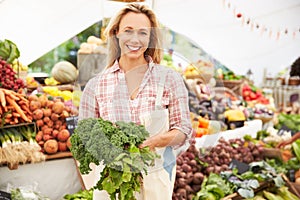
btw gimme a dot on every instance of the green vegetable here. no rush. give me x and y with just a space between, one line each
296 148
9 51
271 196
291 121
286 194
82 194
260 135
26 194
116 145
213 187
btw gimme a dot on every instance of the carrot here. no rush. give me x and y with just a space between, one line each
11 94
18 109
22 97
16 114
10 107
23 102
12 122
2 98
26 108
16 120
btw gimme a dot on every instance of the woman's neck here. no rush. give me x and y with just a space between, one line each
128 64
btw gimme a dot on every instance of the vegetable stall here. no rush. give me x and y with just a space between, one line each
235 153
35 131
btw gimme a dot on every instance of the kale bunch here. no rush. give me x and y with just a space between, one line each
96 140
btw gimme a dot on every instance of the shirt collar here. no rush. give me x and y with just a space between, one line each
115 67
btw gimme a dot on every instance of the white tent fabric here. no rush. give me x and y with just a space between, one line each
256 40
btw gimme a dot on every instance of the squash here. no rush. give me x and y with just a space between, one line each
64 72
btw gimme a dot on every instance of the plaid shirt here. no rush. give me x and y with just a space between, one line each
106 96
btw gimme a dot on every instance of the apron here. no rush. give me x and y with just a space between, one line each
159 182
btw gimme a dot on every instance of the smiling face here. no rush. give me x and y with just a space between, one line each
134 35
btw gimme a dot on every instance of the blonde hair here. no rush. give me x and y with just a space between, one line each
154 48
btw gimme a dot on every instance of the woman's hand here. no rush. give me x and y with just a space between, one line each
283 144
170 138
151 142
290 141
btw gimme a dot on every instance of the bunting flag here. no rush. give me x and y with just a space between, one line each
275 33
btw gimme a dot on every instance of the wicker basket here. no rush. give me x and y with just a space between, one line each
294 81
234 85
224 92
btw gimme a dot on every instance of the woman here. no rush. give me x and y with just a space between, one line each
134 87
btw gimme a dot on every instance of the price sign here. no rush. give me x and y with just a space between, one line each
72 123
5 196
241 167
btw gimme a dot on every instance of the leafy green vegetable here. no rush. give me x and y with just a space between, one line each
26 194
291 121
260 135
82 194
296 148
116 146
213 187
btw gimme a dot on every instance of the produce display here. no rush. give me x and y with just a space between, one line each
8 77
50 115
252 93
64 72
8 51
116 145
92 45
195 164
227 75
236 166
14 107
290 121
18 146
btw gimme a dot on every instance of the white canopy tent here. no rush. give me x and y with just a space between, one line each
242 35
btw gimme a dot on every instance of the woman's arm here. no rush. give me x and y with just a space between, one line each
289 141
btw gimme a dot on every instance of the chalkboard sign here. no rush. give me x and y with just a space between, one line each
241 167
5 196
72 123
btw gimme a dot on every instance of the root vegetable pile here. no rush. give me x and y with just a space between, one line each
50 116
189 175
219 157
116 145
14 107
8 77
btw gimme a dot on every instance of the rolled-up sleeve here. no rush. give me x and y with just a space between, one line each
179 112
88 104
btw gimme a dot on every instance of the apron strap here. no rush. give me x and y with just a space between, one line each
160 91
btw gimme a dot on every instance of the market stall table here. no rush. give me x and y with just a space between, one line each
250 128
52 178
